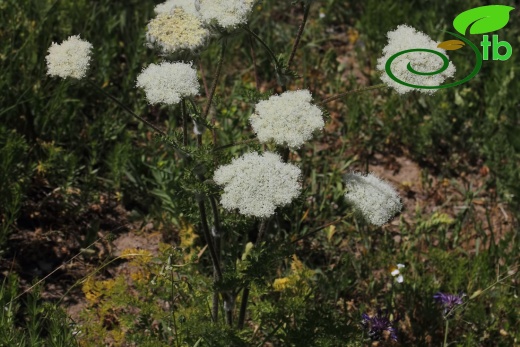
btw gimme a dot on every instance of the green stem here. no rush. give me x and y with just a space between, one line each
235 144
124 107
446 328
299 35
245 293
360 90
262 42
184 123
215 80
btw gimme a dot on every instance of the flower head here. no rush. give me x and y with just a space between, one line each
167 82
288 119
448 301
70 59
395 272
404 38
379 326
187 5
376 200
226 13
176 30
258 183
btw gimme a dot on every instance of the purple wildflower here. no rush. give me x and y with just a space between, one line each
377 325
449 301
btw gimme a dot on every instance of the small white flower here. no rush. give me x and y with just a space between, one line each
226 13
168 83
256 184
395 272
404 38
188 6
287 119
176 30
70 59
376 200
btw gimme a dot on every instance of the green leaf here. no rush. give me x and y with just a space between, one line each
483 19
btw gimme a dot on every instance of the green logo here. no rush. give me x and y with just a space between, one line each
479 20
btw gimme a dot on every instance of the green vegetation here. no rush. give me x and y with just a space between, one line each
76 171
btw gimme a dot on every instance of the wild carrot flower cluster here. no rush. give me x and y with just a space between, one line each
374 199
168 83
256 184
71 58
287 119
405 38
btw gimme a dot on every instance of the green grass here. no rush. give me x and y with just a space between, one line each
64 135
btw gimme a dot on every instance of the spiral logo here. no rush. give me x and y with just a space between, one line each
445 64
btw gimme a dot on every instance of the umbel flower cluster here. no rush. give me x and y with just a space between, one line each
404 38
184 24
71 58
376 200
256 184
168 83
287 119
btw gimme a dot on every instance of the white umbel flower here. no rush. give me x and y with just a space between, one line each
176 30
256 184
168 83
187 5
404 38
287 119
376 200
226 13
70 59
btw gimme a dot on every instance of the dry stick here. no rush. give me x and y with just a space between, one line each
245 292
299 35
360 90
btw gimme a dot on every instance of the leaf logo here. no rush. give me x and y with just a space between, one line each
483 19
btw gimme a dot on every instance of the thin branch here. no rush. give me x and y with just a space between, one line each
184 123
253 56
124 107
235 144
245 293
262 42
204 82
215 80
300 32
